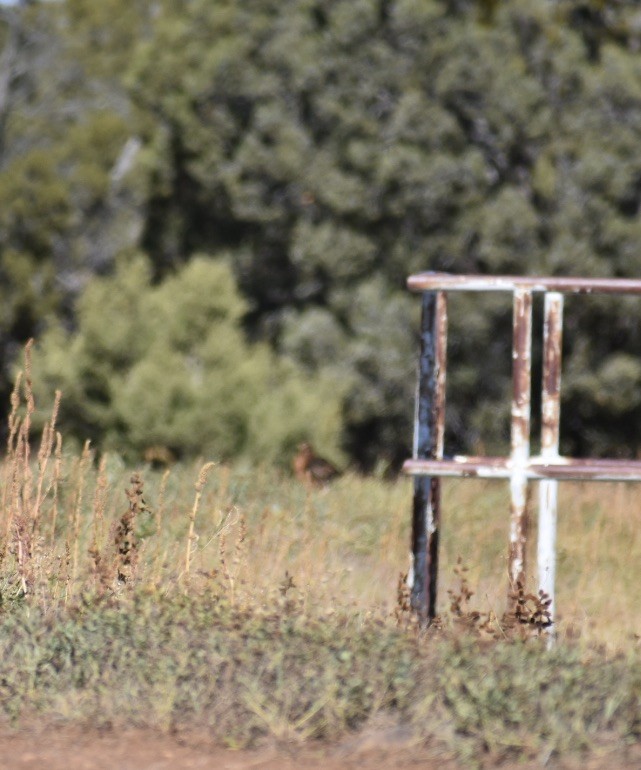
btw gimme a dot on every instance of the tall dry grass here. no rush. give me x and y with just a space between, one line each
72 524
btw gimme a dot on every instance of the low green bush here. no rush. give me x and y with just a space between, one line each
167 365
277 669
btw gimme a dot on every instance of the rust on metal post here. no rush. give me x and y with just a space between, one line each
550 420
441 372
428 445
538 284
520 434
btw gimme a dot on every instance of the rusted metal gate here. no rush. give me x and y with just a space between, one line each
428 463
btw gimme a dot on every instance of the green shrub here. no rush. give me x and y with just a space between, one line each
168 365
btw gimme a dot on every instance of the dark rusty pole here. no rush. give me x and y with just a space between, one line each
520 436
429 427
550 419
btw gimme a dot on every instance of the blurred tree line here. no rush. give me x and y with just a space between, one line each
208 211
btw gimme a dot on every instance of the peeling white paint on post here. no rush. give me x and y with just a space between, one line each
441 371
550 419
520 434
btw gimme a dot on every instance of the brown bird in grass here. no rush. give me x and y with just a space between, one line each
312 470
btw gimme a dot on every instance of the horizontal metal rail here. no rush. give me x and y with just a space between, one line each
535 469
564 285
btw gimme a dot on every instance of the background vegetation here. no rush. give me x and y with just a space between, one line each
327 149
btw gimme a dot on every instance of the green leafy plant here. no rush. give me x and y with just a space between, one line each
167 365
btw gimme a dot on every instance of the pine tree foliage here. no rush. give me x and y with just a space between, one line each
330 148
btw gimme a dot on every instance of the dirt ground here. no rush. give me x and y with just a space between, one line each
386 749
74 749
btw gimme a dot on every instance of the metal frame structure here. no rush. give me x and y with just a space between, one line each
428 465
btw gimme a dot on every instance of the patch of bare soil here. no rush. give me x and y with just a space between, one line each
50 748
76 749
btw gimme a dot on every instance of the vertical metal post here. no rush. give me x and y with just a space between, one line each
429 427
550 419
520 434
441 372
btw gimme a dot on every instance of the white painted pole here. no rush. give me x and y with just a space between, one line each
550 418
520 438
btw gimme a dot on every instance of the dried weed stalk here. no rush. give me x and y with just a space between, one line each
22 499
231 575
73 528
529 615
103 569
191 535
55 485
460 599
403 610
100 496
125 540
161 500
49 435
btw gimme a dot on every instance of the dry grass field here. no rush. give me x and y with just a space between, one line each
236 602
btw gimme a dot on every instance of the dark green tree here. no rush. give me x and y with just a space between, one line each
330 149
69 201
